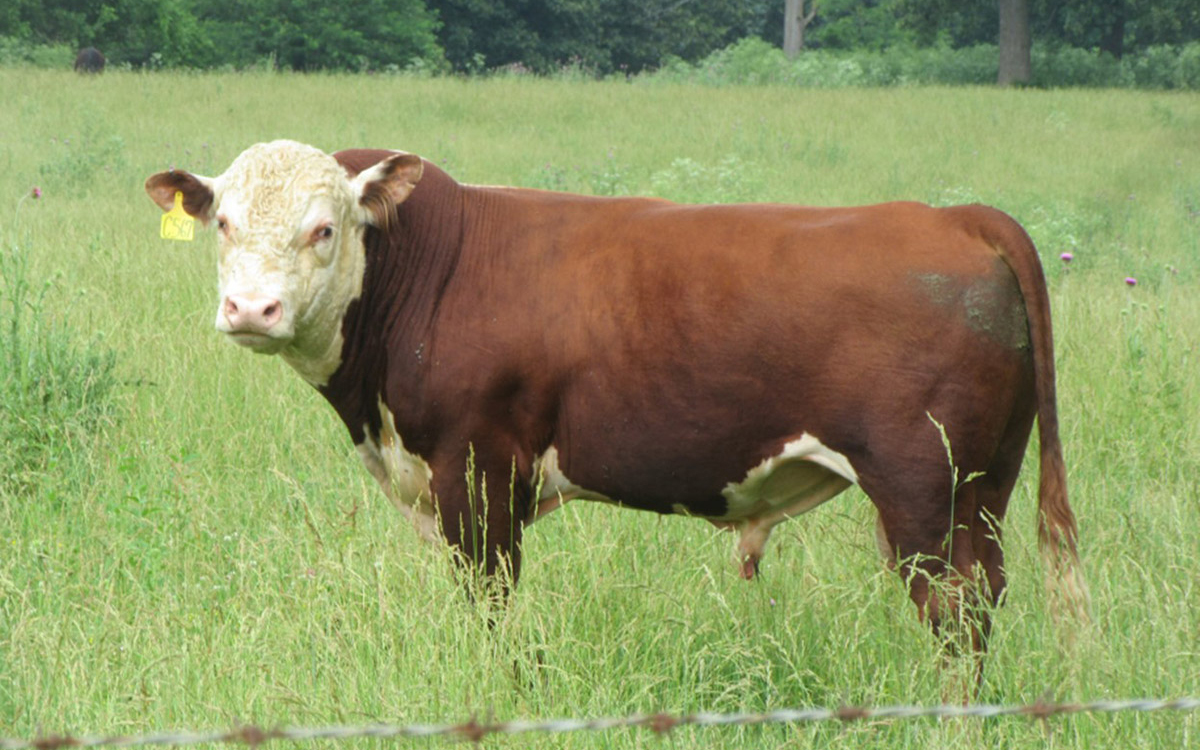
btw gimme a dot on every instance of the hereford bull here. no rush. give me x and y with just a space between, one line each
742 364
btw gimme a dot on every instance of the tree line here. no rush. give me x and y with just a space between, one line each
600 36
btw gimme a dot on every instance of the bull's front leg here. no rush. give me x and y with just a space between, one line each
480 505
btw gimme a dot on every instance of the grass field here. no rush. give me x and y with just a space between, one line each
207 549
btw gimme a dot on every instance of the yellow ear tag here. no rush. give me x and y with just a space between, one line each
176 223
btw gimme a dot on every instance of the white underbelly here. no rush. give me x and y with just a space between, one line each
552 488
803 475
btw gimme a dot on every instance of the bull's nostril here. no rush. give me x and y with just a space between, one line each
251 314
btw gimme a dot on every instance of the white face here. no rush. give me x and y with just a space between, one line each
290 225
290 238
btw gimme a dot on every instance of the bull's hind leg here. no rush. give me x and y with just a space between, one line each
992 493
930 538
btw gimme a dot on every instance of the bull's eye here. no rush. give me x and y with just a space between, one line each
222 224
323 232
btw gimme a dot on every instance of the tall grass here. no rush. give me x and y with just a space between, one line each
55 388
222 557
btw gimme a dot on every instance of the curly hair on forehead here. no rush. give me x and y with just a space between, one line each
272 178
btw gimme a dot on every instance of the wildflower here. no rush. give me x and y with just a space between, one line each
1130 281
1066 257
36 192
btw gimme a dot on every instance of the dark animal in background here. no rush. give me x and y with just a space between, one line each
89 60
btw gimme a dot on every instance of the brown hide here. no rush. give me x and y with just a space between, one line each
89 60
666 350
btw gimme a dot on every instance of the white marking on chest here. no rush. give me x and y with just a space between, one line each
404 477
553 488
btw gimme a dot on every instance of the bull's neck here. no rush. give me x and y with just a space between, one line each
386 333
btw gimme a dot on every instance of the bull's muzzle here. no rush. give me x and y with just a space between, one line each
252 320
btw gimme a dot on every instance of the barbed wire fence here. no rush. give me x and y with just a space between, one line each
660 723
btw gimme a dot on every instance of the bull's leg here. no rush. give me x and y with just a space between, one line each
480 513
986 540
992 492
933 549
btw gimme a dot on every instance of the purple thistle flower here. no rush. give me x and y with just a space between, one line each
1130 281
1066 257
36 192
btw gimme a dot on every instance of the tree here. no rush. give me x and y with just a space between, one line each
316 35
601 35
795 21
126 31
956 23
1016 64
858 24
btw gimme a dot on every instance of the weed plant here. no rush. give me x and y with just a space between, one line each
222 557
55 386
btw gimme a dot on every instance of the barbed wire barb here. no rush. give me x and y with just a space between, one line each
660 723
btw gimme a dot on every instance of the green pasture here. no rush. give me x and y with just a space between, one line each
188 540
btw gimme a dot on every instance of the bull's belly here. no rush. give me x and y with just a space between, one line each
802 476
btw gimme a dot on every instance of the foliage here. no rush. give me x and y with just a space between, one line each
1166 67
313 35
301 35
688 181
602 35
55 391
137 32
870 25
83 160
15 51
609 176
1113 26
589 37
752 61
954 23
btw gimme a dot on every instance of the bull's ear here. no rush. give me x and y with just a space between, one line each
197 192
387 184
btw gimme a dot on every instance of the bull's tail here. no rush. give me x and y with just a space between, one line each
1058 533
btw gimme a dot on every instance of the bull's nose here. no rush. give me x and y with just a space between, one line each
247 314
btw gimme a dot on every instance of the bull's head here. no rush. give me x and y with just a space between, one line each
290 223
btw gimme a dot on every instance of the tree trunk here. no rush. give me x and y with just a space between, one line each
1016 65
795 21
